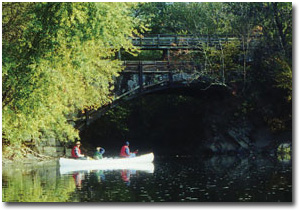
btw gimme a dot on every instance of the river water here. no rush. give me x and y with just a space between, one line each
169 179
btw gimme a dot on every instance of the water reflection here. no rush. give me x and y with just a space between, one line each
186 179
39 182
78 178
99 176
147 167
126 174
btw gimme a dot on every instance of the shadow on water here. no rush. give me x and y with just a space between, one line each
174 179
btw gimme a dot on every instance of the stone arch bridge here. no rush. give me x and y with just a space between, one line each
142 77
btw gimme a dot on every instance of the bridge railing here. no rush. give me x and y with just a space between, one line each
179 41
169 41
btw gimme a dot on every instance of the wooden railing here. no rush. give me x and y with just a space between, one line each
165 41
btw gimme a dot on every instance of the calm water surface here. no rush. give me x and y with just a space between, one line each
177 179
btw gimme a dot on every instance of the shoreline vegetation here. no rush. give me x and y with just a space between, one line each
60 60
27 156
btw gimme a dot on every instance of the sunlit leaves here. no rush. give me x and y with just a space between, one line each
283 75
58 58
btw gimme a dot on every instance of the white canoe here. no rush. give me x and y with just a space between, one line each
142 162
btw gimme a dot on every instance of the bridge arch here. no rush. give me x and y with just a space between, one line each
104 130
181 86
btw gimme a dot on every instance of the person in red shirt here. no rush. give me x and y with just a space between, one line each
125 151
76 152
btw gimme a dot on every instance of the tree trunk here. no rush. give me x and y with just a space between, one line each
279 26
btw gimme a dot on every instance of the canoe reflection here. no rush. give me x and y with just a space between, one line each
100 175
147 167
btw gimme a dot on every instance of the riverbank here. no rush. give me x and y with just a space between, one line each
24 156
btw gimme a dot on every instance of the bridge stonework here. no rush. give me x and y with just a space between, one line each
139 76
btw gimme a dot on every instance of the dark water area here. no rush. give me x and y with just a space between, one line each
172 179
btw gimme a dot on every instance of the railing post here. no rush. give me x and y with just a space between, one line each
158 36
141 76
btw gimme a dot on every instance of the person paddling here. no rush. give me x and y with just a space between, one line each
76 152
125 151
99 153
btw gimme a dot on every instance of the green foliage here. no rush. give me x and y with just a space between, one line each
283 75
223 61
258 64
284 148
152 13
118 118
144 55
58 58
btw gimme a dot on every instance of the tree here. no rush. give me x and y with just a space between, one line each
58 58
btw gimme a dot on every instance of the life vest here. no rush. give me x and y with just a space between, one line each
123 151
73 152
